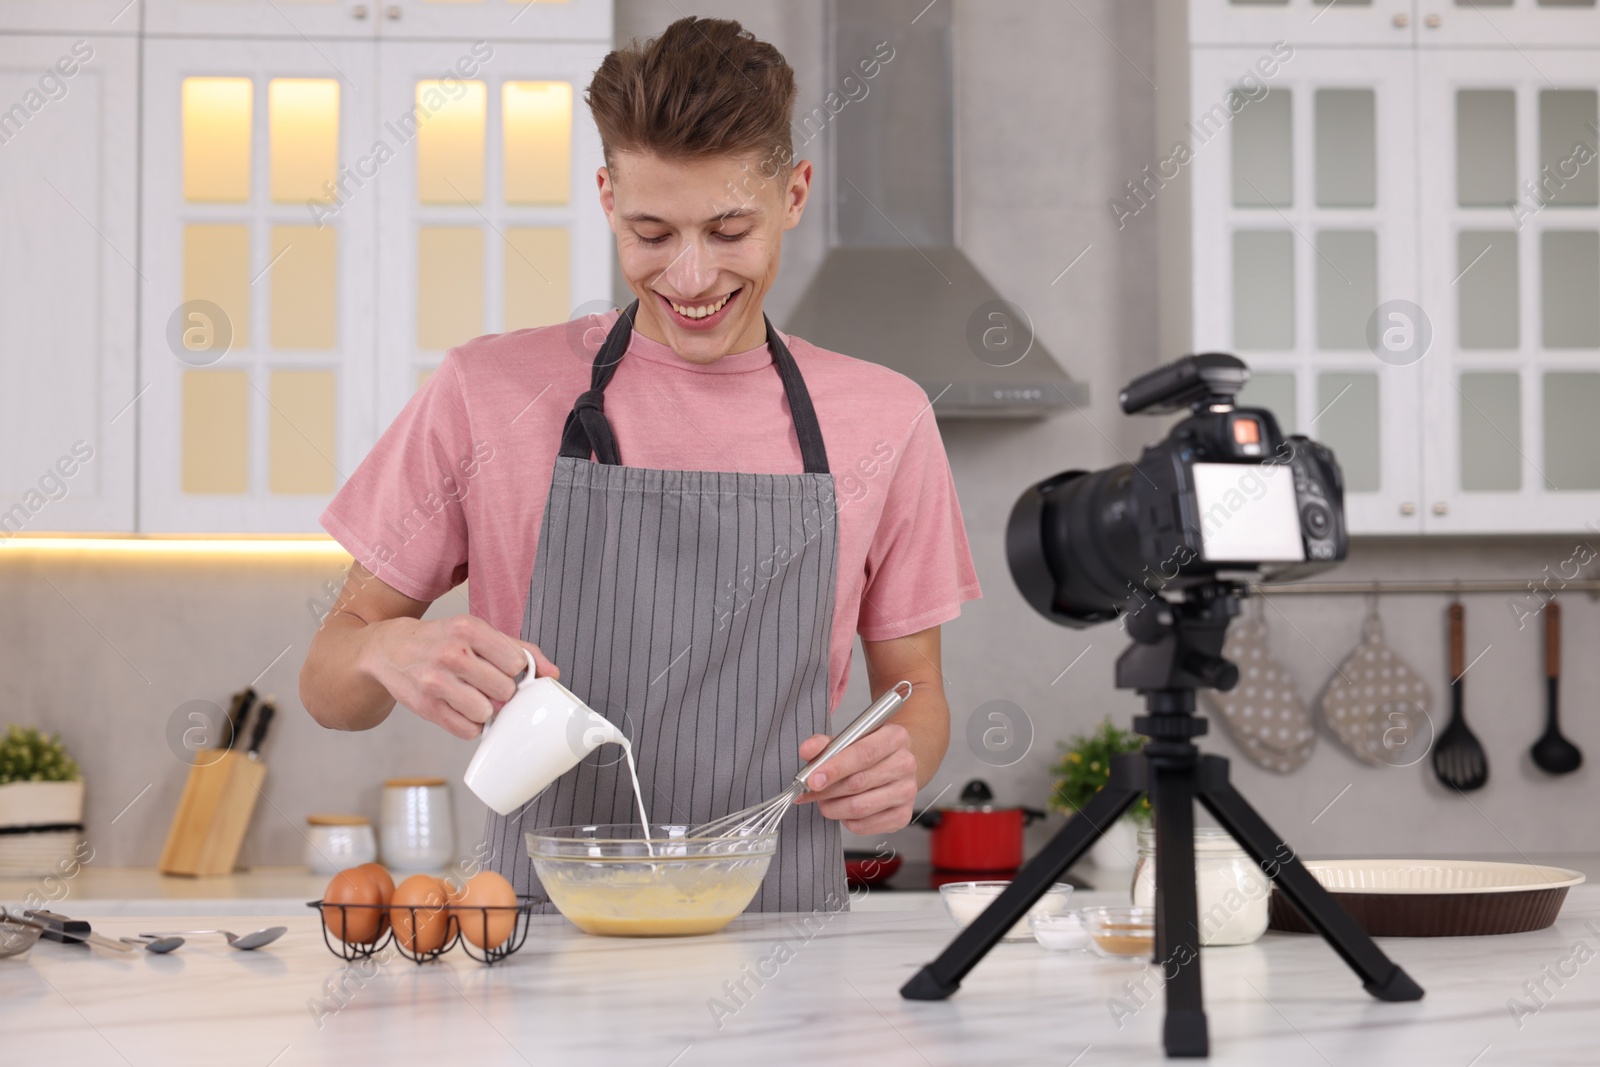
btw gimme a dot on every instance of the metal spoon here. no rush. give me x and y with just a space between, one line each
1553 753
243 942
158 945
1458 757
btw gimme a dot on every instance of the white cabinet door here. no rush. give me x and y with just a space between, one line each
68 284
258 249
1508 24
1304 243
301 19
94 17
1510 248
490 220
495 20
1304 23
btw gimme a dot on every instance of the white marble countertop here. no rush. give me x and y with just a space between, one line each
567 998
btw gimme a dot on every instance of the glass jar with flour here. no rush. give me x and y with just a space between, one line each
1232 889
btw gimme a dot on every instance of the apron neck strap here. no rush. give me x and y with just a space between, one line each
587 429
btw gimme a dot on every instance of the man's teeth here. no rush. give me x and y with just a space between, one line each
702 311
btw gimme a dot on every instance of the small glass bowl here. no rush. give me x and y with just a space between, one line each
1060 932
966 901
1121 933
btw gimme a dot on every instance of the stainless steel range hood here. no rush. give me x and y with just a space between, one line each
894 287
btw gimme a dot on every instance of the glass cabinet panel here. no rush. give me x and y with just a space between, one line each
1263 289
216 267
535 276
303 138
1348 422
450 299
1568 174
1490 431
1347 287
1487 289
450 139
1486 147
1569 288
536 138
1263 168
1572 430
301 432
1273 390
216 139
216 431
1347 148
304 292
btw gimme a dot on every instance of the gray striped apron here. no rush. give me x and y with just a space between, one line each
693 609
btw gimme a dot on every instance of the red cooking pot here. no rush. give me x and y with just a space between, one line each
974 835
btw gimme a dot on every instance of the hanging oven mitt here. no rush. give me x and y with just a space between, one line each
1375 704
1263 713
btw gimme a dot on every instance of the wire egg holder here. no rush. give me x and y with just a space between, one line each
455 917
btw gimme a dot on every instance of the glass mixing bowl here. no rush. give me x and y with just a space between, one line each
609 880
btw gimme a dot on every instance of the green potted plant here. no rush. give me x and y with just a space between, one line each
41 801
1082 771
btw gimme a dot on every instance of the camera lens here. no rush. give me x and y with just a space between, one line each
1073 545
1316 520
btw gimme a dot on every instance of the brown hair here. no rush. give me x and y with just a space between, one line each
705 87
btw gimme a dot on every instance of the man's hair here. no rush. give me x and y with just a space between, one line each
705 87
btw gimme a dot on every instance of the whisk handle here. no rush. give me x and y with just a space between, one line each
864 724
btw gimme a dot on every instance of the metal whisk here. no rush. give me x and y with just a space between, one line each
763 818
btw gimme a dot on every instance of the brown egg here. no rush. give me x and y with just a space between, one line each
385 882
423 897
353 925
485 889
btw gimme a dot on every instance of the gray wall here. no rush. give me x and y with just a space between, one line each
1052 121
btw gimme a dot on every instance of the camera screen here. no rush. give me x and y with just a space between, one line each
1248 512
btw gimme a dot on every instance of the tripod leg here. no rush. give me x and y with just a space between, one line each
1177 951
1380 975
942 977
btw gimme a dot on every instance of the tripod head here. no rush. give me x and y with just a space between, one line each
1178 647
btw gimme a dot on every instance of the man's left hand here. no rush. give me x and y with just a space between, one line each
870 787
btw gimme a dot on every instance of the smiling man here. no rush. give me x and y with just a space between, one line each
689 524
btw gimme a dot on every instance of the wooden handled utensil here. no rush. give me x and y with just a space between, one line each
1458 758
1553 753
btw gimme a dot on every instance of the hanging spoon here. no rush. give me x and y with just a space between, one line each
1553 753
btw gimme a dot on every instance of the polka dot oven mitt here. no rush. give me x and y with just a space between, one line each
1372 697
1263 713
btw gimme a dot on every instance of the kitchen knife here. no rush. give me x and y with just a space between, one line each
54 927
238 713
269 708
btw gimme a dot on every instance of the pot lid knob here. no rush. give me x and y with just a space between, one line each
976 791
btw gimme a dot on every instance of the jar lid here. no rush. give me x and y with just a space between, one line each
1210 840
408 783
338 820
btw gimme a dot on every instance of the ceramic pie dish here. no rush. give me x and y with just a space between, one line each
1436 898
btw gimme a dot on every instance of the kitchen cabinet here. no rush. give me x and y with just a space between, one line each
490 221
68 227
1313 23
1502 24
1404 243
496 20
100 18
321 222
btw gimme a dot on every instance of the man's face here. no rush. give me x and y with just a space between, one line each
699 243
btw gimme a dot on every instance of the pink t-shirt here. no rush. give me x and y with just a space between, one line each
457 484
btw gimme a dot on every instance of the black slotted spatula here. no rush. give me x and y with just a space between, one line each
1458 758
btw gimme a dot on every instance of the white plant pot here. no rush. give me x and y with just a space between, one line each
46 852
1118 847
41 803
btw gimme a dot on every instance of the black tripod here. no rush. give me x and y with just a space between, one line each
1178 648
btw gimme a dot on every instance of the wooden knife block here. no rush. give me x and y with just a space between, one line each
212 816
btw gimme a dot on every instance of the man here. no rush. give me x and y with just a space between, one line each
689 526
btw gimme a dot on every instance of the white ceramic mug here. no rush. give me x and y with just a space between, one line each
540 734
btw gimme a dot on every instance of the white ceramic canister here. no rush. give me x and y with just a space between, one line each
418 828
540 734
337 842
1232 890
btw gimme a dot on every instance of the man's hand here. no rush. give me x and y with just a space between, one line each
453 672
870 786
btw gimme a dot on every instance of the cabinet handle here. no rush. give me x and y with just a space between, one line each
359 11
392 12
1441 508
1402 20
1433 22
1408 508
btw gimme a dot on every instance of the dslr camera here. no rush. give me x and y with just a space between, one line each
1223 497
